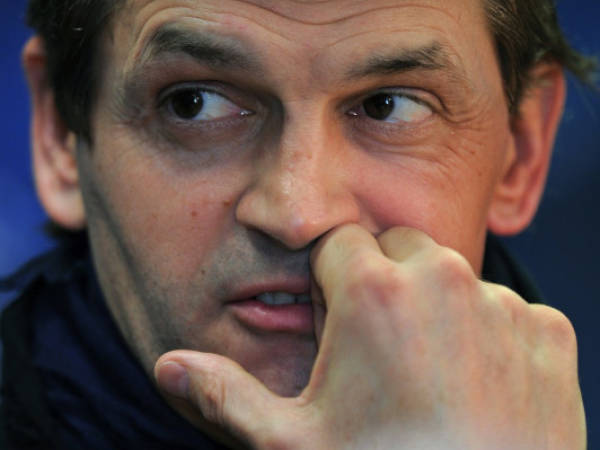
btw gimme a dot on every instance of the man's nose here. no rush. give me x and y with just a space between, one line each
301 189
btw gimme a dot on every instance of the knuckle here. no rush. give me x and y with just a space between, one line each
377 286
359 261
452 268
404 234
557 327
510 303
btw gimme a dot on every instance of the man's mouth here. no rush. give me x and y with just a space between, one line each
275 311
283 298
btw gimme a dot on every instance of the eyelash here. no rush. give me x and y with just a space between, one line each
208 98
387 132
359 108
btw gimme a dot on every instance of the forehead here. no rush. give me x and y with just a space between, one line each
298 48
308 24
307 11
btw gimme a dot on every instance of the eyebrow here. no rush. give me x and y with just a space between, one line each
203 47
207 49
430 57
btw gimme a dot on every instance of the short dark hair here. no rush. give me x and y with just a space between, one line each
527 32
71 31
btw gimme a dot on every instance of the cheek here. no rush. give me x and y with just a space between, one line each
447 194
168 218
420 198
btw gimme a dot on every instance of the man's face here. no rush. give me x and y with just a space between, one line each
228 136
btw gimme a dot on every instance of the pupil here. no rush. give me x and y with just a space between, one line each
187 104
379 107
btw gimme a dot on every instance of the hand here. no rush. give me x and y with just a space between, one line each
414 352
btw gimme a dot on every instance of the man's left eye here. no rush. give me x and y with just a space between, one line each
394 108
197 104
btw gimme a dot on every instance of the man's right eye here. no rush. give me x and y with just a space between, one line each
189 103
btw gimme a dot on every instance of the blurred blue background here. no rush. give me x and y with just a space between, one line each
561 248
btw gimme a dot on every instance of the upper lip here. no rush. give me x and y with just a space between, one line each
291 285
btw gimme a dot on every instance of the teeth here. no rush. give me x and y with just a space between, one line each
282 298
277 298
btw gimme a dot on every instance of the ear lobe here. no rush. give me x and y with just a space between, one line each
53 146
518 193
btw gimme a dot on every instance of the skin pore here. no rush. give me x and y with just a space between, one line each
184 214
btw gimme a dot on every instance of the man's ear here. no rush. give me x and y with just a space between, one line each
519 191
53 145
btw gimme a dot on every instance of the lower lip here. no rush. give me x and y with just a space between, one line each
296 318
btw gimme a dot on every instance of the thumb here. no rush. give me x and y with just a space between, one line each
225 394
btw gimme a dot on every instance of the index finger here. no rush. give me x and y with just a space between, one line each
402 243
341 247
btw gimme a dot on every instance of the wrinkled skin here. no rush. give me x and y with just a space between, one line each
187 213
179 217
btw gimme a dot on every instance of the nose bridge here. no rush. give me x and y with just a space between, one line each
304 149
298 193
298 184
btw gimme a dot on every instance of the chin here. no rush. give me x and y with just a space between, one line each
288 384
285 370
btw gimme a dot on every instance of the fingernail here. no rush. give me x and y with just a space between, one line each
173 378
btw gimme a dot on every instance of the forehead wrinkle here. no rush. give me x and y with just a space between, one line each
330 21
318 48
289 9
379 55
263 21
305 14
393 26
204 46
292 12
246 9
451 62
190 17
143 35
429 57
